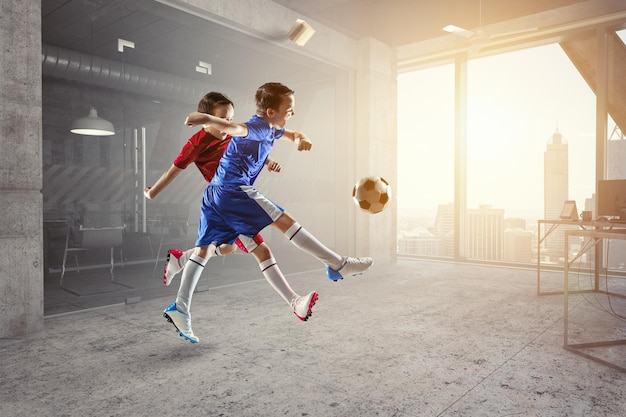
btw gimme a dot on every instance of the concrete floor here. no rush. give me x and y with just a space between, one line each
414 339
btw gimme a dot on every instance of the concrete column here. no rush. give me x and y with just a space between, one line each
376 144
21 263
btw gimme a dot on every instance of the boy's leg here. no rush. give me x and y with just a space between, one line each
276 279
301 305
178 312
337 266
305 241
189 280
177 259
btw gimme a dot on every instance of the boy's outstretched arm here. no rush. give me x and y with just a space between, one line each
233 129
304 143
164 181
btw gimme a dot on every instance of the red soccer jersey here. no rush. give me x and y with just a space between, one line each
203 149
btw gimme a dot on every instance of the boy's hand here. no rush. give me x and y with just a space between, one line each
146 193
304 144
273 166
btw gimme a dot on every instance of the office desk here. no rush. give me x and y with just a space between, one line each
592 238
551 225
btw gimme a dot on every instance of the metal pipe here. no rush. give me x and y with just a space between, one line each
81 67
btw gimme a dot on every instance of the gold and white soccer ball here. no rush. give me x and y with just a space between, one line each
371 194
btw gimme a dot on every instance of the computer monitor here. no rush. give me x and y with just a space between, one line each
611 196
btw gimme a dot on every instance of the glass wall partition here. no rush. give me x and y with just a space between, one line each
140 67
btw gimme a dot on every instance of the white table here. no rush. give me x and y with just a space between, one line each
592 238
551 225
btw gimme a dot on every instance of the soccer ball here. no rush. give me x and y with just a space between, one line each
371 194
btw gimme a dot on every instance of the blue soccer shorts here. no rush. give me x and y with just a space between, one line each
230 211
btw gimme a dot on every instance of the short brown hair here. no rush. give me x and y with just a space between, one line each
269 96
212 99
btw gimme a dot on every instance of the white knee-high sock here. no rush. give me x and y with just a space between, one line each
189 280
275 277
305 241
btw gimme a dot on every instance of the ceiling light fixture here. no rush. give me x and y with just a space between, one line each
459 31
92 125
300 32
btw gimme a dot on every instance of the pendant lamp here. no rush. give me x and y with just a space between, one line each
92 125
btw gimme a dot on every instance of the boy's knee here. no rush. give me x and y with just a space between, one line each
226 249
262 252
284 222
205 251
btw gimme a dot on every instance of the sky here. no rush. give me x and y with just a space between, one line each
516 102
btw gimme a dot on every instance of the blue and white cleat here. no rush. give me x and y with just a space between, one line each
181 321
350 267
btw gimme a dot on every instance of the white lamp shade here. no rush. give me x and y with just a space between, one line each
92 125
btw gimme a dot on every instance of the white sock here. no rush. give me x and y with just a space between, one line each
188 281
305 241
275 277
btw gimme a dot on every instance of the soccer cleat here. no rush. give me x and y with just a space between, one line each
181 321
172 266
302 305
351 266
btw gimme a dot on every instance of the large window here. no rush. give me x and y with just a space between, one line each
530 145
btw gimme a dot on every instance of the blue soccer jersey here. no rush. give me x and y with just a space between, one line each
245 157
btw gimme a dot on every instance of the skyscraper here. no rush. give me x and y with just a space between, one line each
555 176
555 188
485 229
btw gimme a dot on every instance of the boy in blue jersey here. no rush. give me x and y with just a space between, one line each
232 207
205 149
